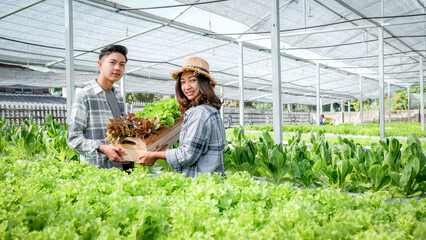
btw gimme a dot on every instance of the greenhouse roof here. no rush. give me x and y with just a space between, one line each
340 36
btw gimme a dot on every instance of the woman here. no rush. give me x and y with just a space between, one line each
202 137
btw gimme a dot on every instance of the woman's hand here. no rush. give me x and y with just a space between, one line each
146 159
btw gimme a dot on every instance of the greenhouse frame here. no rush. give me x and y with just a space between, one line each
329 50
188 164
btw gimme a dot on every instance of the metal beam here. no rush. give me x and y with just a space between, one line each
422 107
389 103
20 9
100 47
377 24
276 69
241 83
349 111
381 76
408 103
361 111
69 50
318 94
222 109
183 56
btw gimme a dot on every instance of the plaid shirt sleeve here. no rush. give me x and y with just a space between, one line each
191 146
78 126
201 140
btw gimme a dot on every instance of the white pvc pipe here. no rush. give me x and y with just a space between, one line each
222 109
408 100
422 104
389 103
381 75
318 95
123 91
241 81
349 111
276 72
360 102
69 56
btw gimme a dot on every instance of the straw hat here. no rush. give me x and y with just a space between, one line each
197 65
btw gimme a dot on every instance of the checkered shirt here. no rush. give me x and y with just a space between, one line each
90 116
202 140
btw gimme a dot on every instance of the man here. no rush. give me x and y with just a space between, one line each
322 119
93 108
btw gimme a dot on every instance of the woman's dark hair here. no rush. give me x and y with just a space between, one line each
207 95
111 49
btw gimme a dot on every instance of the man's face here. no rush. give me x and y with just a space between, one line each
112 66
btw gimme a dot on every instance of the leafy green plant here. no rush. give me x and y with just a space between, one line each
164 112
25 141
392 151
242 156
5 133
379 178
303 173
57 147
274 164
338 172
411 181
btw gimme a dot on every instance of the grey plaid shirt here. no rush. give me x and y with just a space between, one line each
202 140
90 117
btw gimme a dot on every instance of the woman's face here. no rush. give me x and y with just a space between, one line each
189 85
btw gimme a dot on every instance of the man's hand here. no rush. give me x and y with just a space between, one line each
112 153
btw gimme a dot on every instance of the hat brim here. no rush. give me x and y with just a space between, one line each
176 73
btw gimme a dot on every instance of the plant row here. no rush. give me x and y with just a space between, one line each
364 141
48 199
346 166
370 129
29 140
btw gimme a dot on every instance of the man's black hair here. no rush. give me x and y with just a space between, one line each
322 115
111 49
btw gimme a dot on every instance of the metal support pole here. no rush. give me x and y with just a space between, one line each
222 109
342 106
361 111
422 103
304 14
408 100
276 72
381 75
389 103
349 111
241 80
123 90
69 56
318 95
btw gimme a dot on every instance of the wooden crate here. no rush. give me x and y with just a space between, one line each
160 141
